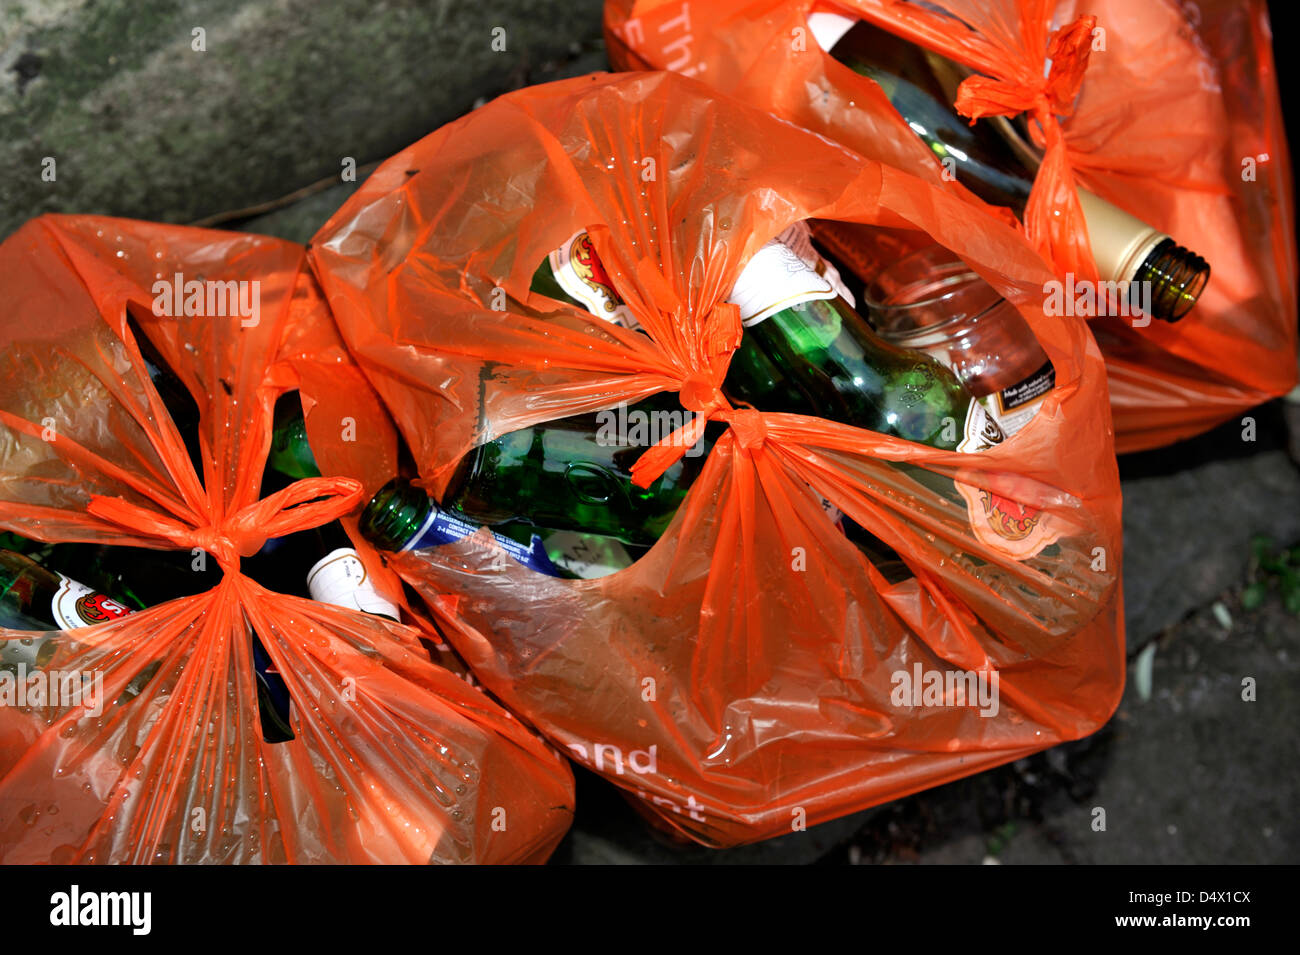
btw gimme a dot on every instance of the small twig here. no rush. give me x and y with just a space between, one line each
271 205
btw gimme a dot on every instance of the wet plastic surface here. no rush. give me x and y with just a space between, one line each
1177 119
395 759
741 678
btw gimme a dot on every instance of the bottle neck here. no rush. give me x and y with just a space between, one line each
921 85
290 452
395 515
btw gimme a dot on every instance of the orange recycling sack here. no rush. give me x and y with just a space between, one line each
1166 109
745 676
394 759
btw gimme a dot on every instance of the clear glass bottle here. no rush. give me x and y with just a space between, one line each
933 302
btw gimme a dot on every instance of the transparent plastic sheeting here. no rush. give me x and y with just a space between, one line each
736 680
394 758
1167 109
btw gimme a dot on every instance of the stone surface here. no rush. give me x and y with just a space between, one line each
1190 512
141 124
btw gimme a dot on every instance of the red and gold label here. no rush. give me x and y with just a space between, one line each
76 605
1008 525
579 272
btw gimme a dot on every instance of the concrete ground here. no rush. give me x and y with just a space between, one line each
142 124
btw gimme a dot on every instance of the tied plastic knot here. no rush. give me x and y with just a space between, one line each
748 426
219 543
701 395
698 395
303 504
1046 98
1053 218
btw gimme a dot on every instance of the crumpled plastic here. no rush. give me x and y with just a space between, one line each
743 677
394 759
1168 110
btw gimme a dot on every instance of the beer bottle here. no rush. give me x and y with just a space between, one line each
577 555
575 474
1000 168
33 597
335 574
402 517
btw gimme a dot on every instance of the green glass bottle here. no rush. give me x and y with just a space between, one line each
323 556
576 474
820 358
996 162
401 517
577 555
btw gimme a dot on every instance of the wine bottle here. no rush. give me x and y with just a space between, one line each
1000 168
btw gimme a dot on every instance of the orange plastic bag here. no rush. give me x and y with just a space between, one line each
394 759
738 678
1177 120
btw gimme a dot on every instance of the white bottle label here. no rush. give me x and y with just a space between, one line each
76 605
580 273
774 279
980 431
799 238
828 28
339 578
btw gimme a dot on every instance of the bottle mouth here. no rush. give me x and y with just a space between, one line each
386 520
1178 276
927 295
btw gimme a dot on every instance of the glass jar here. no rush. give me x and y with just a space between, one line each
933 302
